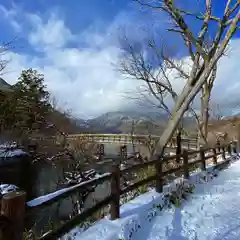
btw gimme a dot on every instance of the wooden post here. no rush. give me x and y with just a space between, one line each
218 146
177 157
229 149
185 164
214 156
223 153
178 149
159 182
101 152
234 147
13 210
202 157
115 192
123 152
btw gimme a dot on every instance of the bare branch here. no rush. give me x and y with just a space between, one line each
205 25
4 49
203 54
177 17
229 11
227 7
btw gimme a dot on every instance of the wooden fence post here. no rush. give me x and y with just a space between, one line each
179 147
229 149
234 147
159 182
185 164
202 157
218 146
101 151
115 192
223 153
13 209
214 156
123 152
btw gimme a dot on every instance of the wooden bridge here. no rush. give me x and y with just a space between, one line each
146 144
125 139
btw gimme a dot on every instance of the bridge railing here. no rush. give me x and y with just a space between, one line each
117 136
13 205
189 143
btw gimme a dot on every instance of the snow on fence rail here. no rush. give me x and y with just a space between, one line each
14 207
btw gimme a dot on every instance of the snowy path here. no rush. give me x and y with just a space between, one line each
213 212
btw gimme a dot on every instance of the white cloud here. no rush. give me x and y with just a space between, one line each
226 86
52 34
10 15
84 79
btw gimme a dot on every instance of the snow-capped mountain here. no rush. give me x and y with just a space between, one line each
130 121
124 121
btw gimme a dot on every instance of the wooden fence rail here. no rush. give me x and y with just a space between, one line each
13 205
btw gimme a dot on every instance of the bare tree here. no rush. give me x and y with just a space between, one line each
204 57
203 117
160 87
4 50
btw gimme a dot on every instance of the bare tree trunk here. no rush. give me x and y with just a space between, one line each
179 147
204 116
189 92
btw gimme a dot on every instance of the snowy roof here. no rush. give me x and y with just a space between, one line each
6 188
8 153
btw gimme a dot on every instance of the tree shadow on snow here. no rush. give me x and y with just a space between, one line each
176 230
232 233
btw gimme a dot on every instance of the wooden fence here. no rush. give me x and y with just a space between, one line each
14 208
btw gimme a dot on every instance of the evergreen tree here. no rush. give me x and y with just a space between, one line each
31 100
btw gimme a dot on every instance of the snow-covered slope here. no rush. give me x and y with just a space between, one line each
211 212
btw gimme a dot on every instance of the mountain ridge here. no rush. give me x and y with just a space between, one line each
129 122
4 86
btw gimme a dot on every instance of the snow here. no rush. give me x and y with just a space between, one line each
11 153
211 212
40 200
10 150
8 145
6 188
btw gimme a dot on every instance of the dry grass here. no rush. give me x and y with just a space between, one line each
225 130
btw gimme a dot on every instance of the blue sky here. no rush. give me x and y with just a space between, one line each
75 43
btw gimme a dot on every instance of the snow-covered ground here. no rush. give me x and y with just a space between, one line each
40 200
10 150
211 212
11 153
